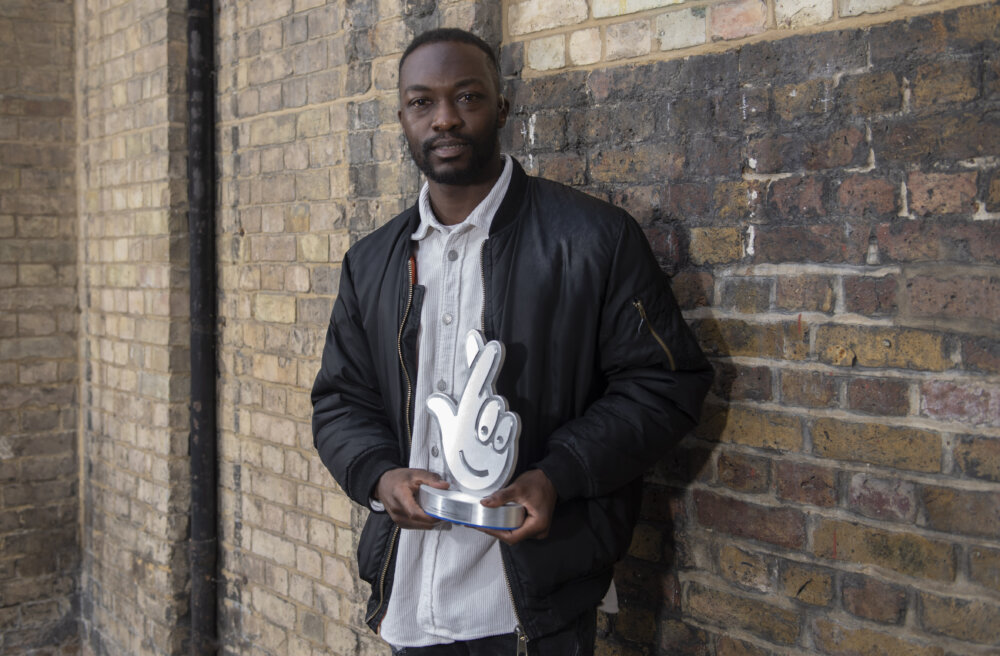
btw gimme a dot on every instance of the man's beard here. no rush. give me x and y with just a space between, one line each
483 154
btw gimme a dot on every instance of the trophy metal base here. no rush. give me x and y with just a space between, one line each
463 508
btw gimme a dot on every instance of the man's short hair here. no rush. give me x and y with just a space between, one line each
452 35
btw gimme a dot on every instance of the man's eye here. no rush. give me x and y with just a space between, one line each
468 97
420 102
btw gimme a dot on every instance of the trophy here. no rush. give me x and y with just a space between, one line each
479 442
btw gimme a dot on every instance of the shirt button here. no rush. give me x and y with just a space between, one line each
434 451
447 318
452 255
442 385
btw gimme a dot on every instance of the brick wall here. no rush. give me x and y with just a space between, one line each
38 327
828 204
310 158
821 182
132 147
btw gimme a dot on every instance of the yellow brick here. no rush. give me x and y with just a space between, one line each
272 307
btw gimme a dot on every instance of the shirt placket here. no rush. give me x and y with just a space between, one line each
447 330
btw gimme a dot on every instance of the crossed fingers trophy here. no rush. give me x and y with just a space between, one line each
479 438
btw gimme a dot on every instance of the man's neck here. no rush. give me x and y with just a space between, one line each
452 204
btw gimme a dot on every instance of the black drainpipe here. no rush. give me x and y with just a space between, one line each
201 227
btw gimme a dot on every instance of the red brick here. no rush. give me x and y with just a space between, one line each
938 241
668 243
806 484
961 402
750 613
781 526
966 297
863 195
870 93
803 99
978 457
876 443
693 289
737 18
942 193
797 197
838 640
962 511
981 354
936 137
815 244
751 427
880 498
878 396
865 346
745 473
809 151
687 200
805 293
746 295
963 619
905 553
812 389
953 81
984 567
874 600
741 382
871 297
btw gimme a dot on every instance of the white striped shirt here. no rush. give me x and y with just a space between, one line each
449 583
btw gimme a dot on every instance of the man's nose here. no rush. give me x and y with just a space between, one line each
446 117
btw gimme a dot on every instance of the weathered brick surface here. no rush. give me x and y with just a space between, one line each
825 202
39 487
132 148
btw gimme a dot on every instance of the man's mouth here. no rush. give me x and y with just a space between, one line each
446 148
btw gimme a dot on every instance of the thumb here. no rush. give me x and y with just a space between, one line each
499 498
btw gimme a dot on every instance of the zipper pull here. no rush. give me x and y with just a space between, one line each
522 641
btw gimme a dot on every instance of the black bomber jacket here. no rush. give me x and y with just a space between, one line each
600 366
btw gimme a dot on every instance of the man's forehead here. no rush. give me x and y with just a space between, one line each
444 59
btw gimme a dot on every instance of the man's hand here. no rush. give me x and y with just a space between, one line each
397 491
535 492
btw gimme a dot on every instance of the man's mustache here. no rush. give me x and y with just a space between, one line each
434 142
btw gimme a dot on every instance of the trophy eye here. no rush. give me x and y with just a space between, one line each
505 428
488 416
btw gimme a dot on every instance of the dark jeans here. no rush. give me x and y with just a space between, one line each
575 640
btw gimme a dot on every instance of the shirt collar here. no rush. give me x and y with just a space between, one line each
481 217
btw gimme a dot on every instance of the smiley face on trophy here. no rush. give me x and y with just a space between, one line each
479 438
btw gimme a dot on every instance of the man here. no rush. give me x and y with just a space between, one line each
600 367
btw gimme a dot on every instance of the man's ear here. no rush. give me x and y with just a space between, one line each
503 108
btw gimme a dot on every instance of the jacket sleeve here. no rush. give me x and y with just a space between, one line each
351 431
657 378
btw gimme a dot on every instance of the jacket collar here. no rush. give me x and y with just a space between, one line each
506 213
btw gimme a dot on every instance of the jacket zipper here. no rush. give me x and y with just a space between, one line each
652 331
482 279
522 637
411 280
